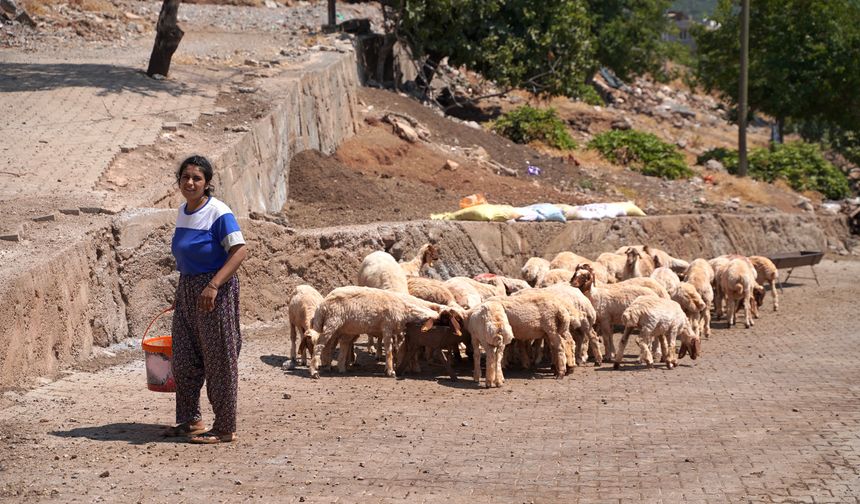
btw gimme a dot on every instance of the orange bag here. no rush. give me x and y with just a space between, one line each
472 200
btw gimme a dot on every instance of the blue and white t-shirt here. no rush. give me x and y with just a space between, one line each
203 237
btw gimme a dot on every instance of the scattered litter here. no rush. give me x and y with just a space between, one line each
532 169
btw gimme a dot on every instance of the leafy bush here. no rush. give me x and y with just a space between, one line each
589 95
643 151
798 163
721 154
526 124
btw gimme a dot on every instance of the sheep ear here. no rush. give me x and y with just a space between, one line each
683 351
456 325
427 325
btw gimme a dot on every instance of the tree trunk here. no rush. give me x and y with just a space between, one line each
167 37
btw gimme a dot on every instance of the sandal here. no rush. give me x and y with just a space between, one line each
213 437
185 429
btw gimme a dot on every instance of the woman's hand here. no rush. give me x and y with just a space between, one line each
206 301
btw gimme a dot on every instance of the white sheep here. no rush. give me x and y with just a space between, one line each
489 328
648 283
486 291
570 261
609 302
766 273
555 276
300 311
465 294
737 280
380 270
430 289
662 319
667 278
540 317
660 258
614 264
583 317
700 275
534 269
427 253
350 311
638 264
511 284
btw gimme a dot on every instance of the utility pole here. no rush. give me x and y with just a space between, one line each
742 94
332 14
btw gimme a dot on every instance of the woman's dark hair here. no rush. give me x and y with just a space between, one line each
204 165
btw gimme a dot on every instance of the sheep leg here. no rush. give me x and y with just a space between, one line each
732 307
668 351
619 352
498 377
580 347
388 342
606 336
406 356
293 336
748 310
557 349
325 338
476 361
569 346
448 368
490 366
775 295
594 346
525 358
706 322
646 342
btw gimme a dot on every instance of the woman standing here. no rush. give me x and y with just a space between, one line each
208 247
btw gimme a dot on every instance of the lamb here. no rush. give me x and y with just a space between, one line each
489 328
736 280
662 319
582 320
766 273
667 278
638 264
540 316
661 258
465 294
430 289
648 283
533 269
567 260
691 302
511 284
425 257
380 270
609 302
350 311
555 276
700 275
570 261
614 264
486 291
438 338
301 310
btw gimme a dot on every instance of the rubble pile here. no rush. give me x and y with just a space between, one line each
677 107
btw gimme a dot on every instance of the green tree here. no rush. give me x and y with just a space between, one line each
545 47
802 59
629 33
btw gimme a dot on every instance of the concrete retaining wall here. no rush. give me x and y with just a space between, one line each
315 108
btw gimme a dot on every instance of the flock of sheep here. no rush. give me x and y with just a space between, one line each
564 309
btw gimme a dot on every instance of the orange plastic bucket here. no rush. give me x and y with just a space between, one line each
159 360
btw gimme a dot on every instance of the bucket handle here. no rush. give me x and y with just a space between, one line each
169 308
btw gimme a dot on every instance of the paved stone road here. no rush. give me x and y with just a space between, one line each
770 414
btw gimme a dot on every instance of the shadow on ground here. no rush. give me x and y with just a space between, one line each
110 78
130 432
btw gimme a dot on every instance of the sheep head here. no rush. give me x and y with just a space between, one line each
758 294
583 277
690 342
633 255
429 253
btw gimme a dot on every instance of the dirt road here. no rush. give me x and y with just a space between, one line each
770 414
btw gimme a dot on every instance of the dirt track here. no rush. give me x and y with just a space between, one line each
770 414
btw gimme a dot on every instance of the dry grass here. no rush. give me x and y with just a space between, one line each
44 7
